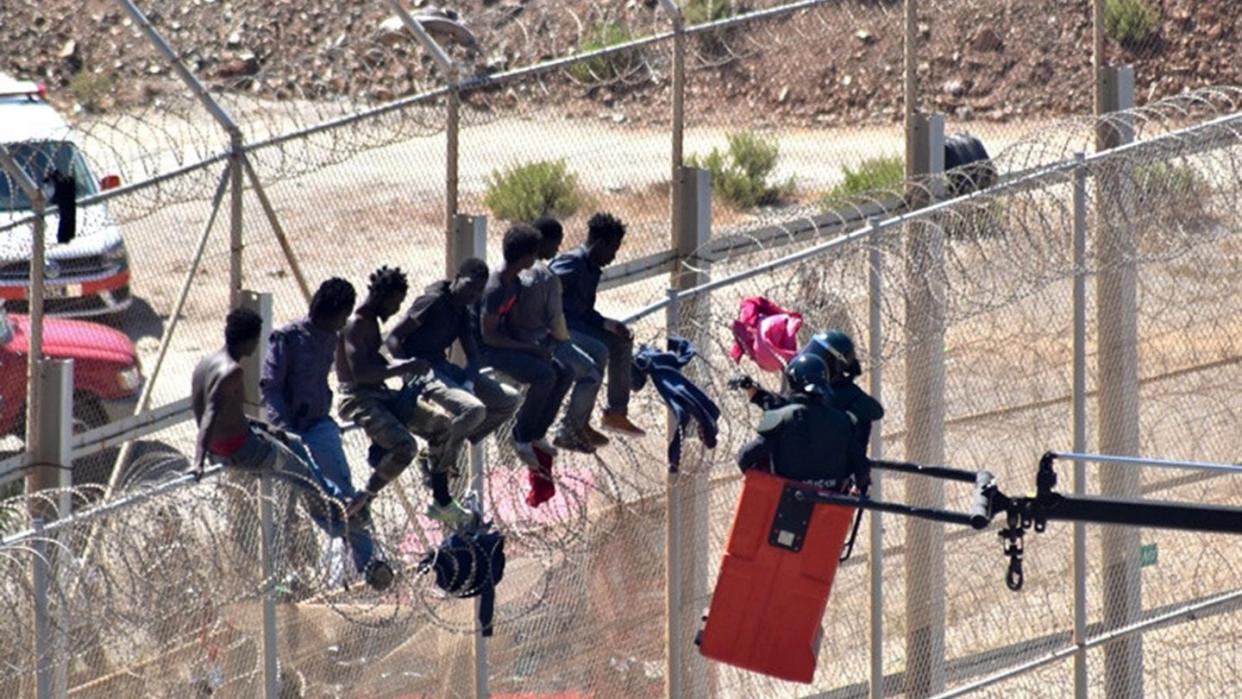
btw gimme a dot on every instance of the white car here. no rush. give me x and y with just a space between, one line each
90 274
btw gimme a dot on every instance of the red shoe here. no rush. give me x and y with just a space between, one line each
542 487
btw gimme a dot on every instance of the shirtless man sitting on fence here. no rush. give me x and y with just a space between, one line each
227 434
392 417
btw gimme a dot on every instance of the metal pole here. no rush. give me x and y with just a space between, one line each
271 669
909 83
38 206
144 400
251 366
925 414
1097 60
875 565
236 239
469 239
478 486
217 111
43 623
674 677
678 87
1117 377
277 229
442 60
451 157
452 73
1080 423
1155 463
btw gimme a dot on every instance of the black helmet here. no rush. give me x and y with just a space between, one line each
837 350
807 373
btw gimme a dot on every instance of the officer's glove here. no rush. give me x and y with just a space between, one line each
741 382
862 481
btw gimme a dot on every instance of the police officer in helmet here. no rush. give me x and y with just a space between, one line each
836 349
807 439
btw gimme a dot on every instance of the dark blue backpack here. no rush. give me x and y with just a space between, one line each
468 565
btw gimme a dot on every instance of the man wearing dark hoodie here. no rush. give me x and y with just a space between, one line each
477 404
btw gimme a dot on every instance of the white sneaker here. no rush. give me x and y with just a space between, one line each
526 454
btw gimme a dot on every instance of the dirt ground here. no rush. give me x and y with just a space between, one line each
385 206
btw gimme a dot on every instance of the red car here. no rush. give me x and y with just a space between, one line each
106 375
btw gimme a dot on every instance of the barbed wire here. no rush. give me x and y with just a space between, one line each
178 577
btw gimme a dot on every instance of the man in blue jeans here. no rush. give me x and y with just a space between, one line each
476 404
527 361
297 399
609 343
539 317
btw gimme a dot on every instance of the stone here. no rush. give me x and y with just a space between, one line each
985 40
69 50
864 36
954 88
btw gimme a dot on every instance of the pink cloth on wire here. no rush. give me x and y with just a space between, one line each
766 333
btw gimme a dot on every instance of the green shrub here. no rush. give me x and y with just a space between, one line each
1130 22
612 66
700 11
1162 179
91 90
695 12
1171 196
740 176
874 175
530 190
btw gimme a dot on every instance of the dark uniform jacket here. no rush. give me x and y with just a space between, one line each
806 440
843 395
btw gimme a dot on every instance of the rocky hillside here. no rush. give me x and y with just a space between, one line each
841 62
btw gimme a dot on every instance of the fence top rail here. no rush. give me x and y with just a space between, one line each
108 508
1139 461
1035 176
105 196
477 81
1190 612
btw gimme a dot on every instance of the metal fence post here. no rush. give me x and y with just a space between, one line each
875 565
53 457
221 117
452 135
452 75
925 413
271 666
674 675
1080 422
678 89
38 205
1117 376
252 367
469 239
688 506
910 83
42 615
236 222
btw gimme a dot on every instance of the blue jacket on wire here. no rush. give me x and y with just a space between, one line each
686 400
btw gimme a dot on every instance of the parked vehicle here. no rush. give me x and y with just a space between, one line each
86 276
107 377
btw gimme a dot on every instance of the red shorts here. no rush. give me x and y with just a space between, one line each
228 446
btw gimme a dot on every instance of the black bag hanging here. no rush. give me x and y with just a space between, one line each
469 565
65 197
